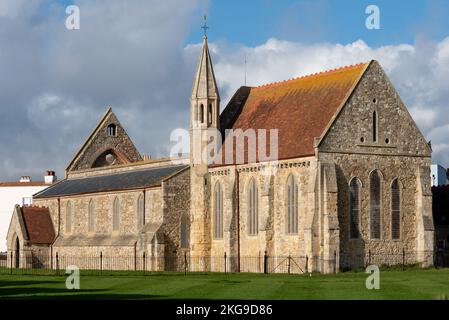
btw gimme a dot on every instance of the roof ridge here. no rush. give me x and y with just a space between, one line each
271 84
34 207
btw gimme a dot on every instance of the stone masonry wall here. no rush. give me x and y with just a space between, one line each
399 151
176 209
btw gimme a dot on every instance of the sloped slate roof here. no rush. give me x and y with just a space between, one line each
111 182
301 109
38 225
97 240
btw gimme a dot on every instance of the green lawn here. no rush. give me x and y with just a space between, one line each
409 284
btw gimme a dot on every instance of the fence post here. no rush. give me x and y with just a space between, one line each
307 263
144 264
185 263
225 262
288 264
369 257
11 261
101 263
265 263
403 259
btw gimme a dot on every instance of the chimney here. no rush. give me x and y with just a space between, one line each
25 179
50 177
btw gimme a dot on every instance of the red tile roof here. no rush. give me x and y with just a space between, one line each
38 224
24 184
301 108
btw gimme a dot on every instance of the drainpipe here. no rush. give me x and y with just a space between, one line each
238 216
135 256
144 211
59 217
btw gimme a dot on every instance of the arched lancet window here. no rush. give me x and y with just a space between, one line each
91 217
112 130
374 126
201 113
68 217
253 208
395 210
218 211
116 215
140 211
375 205
209 114
354 208
292 205
197 114
17 253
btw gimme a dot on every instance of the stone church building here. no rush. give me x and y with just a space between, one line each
350 184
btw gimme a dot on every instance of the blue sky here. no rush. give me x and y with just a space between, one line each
252 22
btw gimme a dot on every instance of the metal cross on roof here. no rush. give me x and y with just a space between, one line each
205 27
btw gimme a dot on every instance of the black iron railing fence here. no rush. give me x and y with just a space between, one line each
29 263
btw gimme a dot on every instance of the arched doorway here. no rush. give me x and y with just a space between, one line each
17 253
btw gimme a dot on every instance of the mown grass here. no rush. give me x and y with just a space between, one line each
408 284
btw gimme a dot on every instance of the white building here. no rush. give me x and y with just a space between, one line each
12 193
438 175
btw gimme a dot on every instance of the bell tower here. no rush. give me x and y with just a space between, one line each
204 121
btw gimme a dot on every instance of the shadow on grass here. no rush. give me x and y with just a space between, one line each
41 290
83 295
17 283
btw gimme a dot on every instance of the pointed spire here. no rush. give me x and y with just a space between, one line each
205 85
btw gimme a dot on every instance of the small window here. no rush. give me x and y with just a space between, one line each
201 113
395 210
91 217
140 211
209 114
68 217
374 126
354 211
292 205
218 211
375 205
116 215
253 208
112 130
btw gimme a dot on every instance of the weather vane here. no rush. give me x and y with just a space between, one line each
205 27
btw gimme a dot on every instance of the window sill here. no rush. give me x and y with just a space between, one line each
291 234
376 145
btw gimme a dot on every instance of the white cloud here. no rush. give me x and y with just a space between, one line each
420 72
132 57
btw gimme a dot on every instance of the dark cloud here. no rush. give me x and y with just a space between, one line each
55 84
